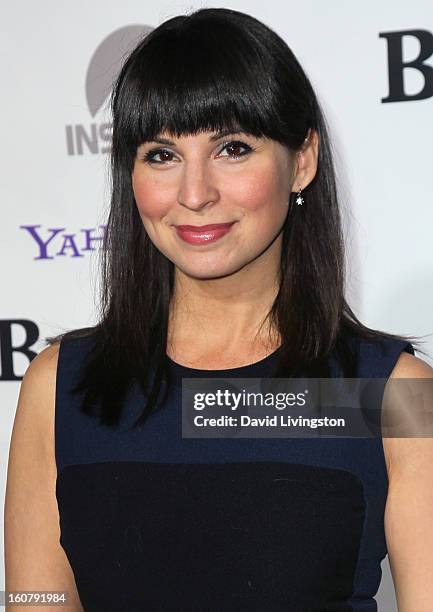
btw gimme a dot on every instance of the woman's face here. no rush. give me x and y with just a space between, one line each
209 178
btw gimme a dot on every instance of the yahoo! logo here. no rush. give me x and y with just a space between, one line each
397 65
103 68
55 242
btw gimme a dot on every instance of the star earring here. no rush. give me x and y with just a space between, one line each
299 198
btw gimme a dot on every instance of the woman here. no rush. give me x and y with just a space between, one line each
214 123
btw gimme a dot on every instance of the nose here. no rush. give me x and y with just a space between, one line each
197 188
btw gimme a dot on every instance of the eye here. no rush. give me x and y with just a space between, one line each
234 146
165 154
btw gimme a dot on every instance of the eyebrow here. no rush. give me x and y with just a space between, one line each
212 138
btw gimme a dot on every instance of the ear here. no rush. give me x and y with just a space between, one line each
306 161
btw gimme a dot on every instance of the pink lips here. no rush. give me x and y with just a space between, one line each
195 234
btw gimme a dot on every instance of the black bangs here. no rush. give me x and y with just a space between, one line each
195 74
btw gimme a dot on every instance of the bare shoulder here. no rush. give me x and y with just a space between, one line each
36 402
409 366
406 453
43 367
42 370
33 427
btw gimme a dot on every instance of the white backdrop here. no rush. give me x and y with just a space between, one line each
57 61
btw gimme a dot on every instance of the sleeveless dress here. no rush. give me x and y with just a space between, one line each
152 521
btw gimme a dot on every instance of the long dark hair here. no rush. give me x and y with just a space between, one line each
210 70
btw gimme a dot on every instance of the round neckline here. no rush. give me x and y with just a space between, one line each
256 369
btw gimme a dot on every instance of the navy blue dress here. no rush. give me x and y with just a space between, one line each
155 522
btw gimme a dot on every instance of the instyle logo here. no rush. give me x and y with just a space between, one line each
398 65
57 242
103 68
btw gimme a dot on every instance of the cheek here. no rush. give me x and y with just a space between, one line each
265 190
152 201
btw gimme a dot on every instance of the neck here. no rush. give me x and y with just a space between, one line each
229 312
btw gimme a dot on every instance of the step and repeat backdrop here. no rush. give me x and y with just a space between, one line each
372 66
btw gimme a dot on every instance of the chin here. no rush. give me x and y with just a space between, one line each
207 272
